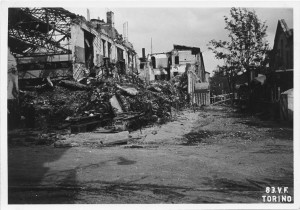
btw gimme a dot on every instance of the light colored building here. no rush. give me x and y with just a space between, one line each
180 60
164 66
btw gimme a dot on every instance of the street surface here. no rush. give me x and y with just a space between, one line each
215 155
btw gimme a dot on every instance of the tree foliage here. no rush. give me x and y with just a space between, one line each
218 83
246 46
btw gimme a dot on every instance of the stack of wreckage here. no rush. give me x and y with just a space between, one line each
119 103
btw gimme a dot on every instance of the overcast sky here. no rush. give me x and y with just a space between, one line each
184 26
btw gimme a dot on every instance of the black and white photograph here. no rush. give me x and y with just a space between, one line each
141 103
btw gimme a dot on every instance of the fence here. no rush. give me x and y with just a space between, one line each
199 91
221 98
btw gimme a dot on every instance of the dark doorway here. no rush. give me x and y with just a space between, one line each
88 49
153 62
120 54
109 50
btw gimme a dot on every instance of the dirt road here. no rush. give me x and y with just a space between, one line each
211 156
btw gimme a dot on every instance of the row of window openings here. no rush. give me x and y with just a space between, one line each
120 56
153 61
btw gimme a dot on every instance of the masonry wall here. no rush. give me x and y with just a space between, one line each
97 50
78 52
77 44
102 45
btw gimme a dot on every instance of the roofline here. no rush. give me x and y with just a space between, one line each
282 24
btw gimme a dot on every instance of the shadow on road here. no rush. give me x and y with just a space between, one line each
27 167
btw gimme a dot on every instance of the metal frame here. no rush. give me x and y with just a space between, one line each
54 42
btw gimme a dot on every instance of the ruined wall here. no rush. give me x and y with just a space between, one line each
103 46
113 50
41 66
78 53
184 57
97 50
113 53
12 77
77 44
150 76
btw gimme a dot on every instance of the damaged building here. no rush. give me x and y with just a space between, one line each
180 60
53 42
165 66
66 71
82 73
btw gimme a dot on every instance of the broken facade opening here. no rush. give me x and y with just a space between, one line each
55 44
63 44
89 49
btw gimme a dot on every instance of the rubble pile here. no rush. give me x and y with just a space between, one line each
50 105
120 98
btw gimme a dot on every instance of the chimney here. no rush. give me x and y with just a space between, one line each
143 53
88 15
110 18
125 31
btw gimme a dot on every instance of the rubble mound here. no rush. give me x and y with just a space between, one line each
118 98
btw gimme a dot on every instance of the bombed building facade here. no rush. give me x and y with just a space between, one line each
51 45
165 66
83 73
180 61
53 42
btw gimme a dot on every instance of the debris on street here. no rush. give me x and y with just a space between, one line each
105 102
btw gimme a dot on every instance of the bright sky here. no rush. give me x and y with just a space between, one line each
184 26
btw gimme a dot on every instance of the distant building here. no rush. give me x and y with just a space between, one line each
180 60
282 53
182 55
280 76
272 93
164 66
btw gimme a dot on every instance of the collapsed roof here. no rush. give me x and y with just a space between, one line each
39 31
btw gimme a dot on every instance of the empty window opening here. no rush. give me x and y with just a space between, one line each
176 59
153 62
